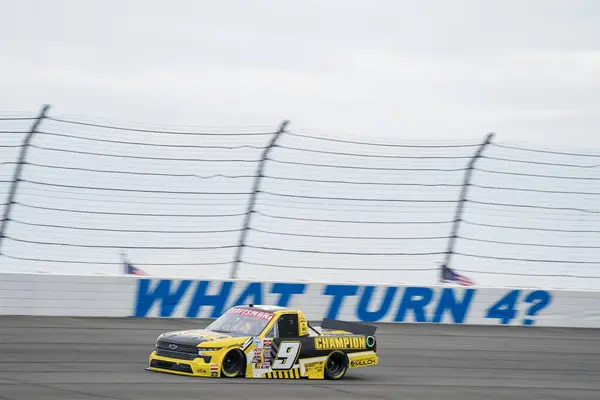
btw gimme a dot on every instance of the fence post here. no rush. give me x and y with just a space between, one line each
248 217
17 175
462 199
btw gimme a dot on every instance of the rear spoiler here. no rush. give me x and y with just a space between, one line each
354 327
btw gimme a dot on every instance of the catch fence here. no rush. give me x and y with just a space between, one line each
279 203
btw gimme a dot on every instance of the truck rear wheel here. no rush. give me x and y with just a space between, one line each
336 365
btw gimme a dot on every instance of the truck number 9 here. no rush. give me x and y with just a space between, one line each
286 355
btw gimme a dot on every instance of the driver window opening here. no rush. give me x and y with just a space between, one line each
287 326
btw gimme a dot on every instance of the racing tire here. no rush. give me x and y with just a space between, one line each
336 365
234 364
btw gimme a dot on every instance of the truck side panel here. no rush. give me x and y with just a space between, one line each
285 354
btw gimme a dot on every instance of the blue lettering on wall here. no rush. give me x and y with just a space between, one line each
364 314
287 290
505 308
415 299
458 309
217 301
338 292
453 304
252 294
168 301
539 300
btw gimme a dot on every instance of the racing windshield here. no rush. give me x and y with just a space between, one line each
241 321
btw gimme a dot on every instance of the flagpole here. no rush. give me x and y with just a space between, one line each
441 273
124 261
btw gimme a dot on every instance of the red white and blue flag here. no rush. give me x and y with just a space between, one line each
131 270
450 276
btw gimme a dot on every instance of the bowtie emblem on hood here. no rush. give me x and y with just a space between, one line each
172 346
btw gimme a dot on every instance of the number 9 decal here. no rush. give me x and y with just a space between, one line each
287 355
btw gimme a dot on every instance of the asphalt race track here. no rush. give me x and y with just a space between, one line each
85 358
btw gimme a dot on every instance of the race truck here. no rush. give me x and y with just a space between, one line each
262 341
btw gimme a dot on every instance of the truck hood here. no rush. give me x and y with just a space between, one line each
197 336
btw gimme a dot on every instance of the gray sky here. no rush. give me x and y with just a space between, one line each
529 70
373 70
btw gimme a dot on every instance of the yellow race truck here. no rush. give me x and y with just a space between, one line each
261 341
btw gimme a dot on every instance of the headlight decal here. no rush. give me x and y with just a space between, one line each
203 350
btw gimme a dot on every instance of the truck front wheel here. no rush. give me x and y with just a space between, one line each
234 364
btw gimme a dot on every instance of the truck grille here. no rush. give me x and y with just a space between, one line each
171 366
181 352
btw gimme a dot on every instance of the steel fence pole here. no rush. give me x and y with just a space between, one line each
252 201
18 171
462 200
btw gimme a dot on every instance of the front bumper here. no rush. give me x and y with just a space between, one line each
195 367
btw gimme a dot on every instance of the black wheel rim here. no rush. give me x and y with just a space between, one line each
335 364
230 365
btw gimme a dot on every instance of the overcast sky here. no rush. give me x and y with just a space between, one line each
395 71
529 70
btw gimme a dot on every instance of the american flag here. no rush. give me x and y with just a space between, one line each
449 276
131 270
